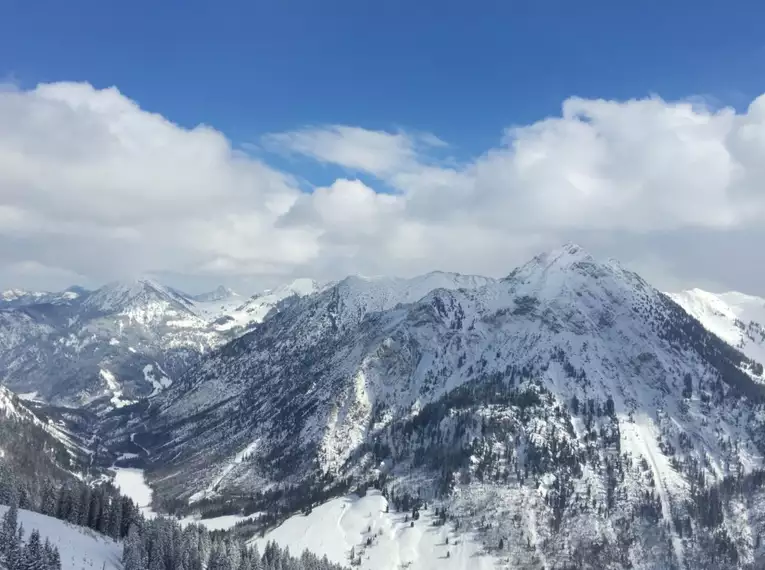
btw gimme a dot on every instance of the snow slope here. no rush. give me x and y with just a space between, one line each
346 523
736 318
80 548
257 307
14 409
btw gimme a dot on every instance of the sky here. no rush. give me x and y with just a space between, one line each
248 143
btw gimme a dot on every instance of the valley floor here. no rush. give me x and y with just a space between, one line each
131 482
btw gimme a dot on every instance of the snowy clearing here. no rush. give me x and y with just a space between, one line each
79 547
114 387
224 522
340 525
132 483
158 380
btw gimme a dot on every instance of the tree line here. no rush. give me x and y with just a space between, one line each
156 544
162 544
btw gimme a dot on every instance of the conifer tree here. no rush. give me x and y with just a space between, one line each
131 552
9 525
33 553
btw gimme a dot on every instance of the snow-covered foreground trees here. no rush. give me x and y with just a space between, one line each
161 544
34 555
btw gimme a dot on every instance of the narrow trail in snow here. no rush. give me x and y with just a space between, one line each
133 441
666 506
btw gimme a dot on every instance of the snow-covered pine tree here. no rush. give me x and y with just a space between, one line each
10 522
131 553
115 519
32 556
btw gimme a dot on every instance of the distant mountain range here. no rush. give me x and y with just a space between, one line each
117 344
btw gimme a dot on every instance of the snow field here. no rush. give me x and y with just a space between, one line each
346 523
80 548
131 482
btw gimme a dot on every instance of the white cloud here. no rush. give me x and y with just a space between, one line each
602 168
377 152
91 181
92 185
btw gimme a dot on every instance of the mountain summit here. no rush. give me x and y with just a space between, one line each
220 293
569 395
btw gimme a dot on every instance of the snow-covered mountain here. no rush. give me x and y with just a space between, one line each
736 318
309 320
38 446
122 342
20 297
241 317
570 413
118 341
220 293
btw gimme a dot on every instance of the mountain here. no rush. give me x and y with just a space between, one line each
38 447
13 411
736 318
221 293
123 341
308 320
242 317
570 413
21 298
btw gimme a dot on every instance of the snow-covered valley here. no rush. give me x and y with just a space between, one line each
132 483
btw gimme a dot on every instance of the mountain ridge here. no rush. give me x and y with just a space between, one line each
737 318
571 391
569 414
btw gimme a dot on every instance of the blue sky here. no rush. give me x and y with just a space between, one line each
462 70
635 128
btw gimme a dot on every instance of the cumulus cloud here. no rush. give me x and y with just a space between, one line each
94 187
607 172
91 182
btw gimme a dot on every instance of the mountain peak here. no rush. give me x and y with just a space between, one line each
120 295
563 259
220 293
303 286
13 294
566 256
